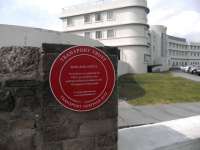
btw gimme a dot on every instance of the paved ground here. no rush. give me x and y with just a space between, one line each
187 76
182 134
139 115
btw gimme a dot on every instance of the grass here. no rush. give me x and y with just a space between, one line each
157 88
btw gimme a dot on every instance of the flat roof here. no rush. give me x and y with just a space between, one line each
102 5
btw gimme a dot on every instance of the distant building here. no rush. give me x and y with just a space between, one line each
170 51
121 23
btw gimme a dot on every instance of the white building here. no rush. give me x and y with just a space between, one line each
121 23
172 52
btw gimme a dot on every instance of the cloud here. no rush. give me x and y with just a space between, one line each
183 23
34 13
182 18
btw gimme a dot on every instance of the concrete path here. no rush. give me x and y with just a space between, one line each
182 134
187 76
141 115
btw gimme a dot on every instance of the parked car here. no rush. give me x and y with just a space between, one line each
198 70
192 69
182 68
187 68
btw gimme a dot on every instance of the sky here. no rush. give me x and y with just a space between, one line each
182 17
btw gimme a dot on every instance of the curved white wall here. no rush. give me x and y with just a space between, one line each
129 24
123 68
134 56
122 16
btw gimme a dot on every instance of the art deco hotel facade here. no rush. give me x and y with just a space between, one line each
123 23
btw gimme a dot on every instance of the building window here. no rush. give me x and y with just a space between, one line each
110 33
69 21
87 18
98 16
98 34
110 15
87 35
185 63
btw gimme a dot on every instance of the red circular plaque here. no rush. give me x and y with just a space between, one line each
82 78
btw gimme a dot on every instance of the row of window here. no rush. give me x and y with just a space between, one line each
99 34
98 16
183 53
88 17
184 63
180 46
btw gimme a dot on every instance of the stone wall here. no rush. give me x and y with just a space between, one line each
31 119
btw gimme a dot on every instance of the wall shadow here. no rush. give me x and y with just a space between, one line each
129 88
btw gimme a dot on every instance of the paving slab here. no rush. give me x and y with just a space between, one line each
191 107
130 117
178 111
157 112
187 76
139 115
183 134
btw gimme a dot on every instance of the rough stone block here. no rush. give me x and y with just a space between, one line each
110 108
7 101
20 92
23 139
68 129
79 144
113 147
56 115
21 83
53 146
48 59
26 107
106 140
23 124
4 126
18 61
98 127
